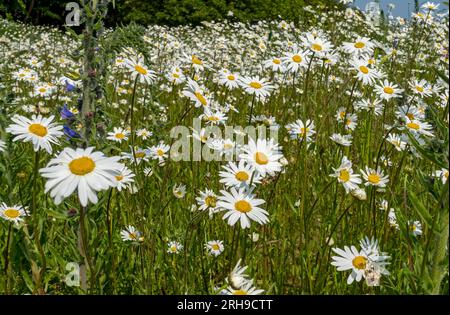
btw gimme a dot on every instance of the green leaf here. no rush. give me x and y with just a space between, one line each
420 208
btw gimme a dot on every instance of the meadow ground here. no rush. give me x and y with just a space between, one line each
124 170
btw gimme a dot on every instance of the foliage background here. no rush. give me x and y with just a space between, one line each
166 12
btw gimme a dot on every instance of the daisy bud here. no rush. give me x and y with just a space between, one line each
359 194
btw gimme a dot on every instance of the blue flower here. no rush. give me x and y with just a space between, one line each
70 133
66 113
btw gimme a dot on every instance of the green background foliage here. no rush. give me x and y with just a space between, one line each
167 12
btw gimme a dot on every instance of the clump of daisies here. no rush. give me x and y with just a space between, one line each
239 283
368 262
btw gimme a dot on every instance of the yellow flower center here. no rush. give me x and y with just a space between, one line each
231 77
241 176
38 130
255 85
120 135
388 90
213 118
413 125
215 247
196 60
316 47
160 152
261 158
344 175
201 98
176 75
132 235
210 201
359 262
419 88
360 45
410 116
139 155
373 178
173 248
82 166
364 69
342 114
240 292
140 69
119 178
371 61
243 206
12 213
297 58
276 61
42 90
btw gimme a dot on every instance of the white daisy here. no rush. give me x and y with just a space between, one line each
214 247
82 170
242 205
14 213
263 156
131 234
239 175
345 176
118 135
374 177
38 130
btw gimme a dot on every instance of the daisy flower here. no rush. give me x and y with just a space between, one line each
239 175
82 170
387 90
139 155
361 46
207 201
300 130
144 133
396 141
124 178
213 117
245 289
351 259
214 247
139 69
159 152
351 121
176 76
118 135
421 88
418 127
230 80
344 140
363 72
179 191
131 234
374 177
14 214
442 174
256 86
294 61
275 64
345 176
366 104
316 44
415 227
263 156
195 93
174 247
237 277
242 205
38 130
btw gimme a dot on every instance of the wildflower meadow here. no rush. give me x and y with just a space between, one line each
278 157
